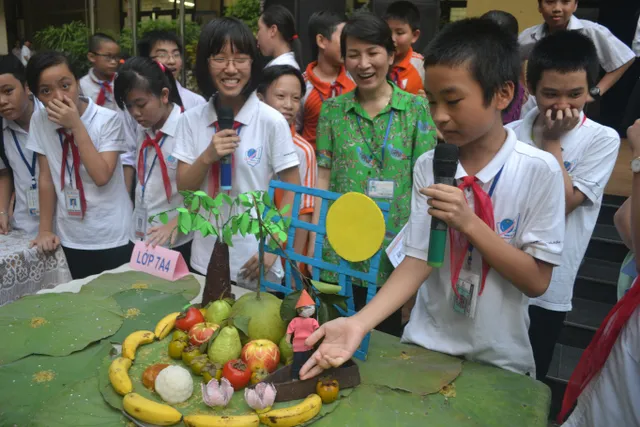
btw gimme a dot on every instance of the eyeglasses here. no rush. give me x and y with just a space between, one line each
108 57
220 62
164 56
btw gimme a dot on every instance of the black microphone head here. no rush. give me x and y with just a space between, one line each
225 117
445 160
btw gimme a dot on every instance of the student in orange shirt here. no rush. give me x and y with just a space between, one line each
403 17
326 77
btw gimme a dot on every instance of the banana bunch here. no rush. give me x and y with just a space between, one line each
131 343
293 415
165 325
221 421
119 375
151 412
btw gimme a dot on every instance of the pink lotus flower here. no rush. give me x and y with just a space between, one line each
261 397
217 394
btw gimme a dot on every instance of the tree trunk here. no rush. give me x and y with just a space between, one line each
218 282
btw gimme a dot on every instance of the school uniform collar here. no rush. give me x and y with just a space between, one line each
89 112
170 126
529 120
398 101
284 55
406 61
245 115
324 87
37 105
543 30
495 165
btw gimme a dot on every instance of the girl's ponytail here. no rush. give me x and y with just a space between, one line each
280 16
145 74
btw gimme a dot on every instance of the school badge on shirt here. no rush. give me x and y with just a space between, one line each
508 227
252 156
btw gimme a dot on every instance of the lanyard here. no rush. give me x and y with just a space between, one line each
384 142
66 161
491 190
32 167
153 163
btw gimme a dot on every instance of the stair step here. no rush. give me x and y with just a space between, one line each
596 270
607 212
607 233
611 199
606 244
587 314
565 359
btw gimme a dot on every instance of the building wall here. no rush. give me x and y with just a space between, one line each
4 43
107 15
526 11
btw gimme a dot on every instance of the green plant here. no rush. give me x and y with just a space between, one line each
191 32
247 11
71 38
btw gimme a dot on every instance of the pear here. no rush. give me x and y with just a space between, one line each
226 346
286 351
218 312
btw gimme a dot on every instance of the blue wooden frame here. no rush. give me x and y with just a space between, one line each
344 270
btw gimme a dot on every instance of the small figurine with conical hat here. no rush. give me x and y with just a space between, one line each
300 328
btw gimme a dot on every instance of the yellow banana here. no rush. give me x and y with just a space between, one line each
293 415
165 325
119 375
131 343
148 411
221 421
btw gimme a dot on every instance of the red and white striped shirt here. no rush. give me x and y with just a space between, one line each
308 169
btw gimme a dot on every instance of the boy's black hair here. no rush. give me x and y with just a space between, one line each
146 44
213 38
504 19
96 40
144 74
273 73
563 51
324 23
489 51
10 64
282 18
404 11
540 2
40 62
369 28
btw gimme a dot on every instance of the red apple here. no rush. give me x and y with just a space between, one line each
259 354
201 332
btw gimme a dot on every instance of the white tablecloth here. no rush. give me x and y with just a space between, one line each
25 271
75 285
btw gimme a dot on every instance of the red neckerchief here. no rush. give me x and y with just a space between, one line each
105 86
459 244
155 143
214 176
596 354
69 141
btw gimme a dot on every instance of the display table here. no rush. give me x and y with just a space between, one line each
401 385
25 271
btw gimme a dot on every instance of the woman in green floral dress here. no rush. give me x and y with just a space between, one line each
368 140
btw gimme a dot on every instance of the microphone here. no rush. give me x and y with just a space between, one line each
445 163
225 121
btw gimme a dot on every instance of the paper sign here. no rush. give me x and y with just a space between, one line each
395 250
158 261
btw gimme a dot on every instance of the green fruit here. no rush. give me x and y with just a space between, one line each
286 351
218 312
180 336
198 363
190 353
176 348
264 314
226 346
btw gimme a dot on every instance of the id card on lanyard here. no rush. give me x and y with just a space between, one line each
469 283
33 205
73 203
379 188
140 213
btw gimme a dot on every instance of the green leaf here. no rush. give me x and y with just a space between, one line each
285 209
227 199
339 300
109 284
200 193
143 309
255 227
195 204
282 236
217 202
270 215
235 225
326 288
242 324
55 324
273 245
288 308
164 218
287 222
245 220
266 199
30 384
227 236
182 210
184 221
327 312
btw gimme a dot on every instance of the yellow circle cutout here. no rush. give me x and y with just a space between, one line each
355 227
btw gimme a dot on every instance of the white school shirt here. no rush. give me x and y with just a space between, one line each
22 179
25 52
155 196
589 152
528 203
106 222
612 52
189 99
265 149
635 46
612 397
285 59
90 85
